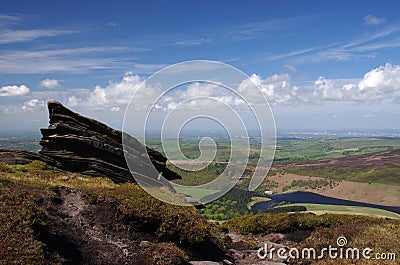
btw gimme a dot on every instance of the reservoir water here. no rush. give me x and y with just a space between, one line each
310 197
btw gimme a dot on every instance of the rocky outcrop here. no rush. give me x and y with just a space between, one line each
80 144
20 157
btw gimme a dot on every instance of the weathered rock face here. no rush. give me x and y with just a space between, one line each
20 157
81 144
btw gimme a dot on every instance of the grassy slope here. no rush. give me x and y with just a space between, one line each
22 220
382 235
196 193
323 208
21 223
384 175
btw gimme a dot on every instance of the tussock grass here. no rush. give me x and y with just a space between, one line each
22 224
380 234
180 227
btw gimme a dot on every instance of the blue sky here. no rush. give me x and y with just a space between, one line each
322 65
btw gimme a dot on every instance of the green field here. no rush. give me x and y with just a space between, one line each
190 148
319 148
195 193
389 175
256 199
326 208
291 151
294 150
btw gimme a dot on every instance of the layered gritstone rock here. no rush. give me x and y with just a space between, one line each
80 144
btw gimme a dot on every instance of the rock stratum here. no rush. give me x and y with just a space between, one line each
76 143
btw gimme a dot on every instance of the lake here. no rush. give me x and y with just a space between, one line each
310 197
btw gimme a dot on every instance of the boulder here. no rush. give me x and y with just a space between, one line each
80 144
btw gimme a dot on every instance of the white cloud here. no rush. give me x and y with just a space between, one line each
371 115
290 67
373 20
257 30
367 39
6 18
193 42
276 88
200 95
73 101
200 89
379 84
193 67
9 109
13 36
366 46
325 89
378 46
147 68
9 34
385 77
10 91
33 104
75 60
49 83
291 54
115 94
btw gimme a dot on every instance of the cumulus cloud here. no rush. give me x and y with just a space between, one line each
379 84
33 104
385 77
14 90
201 95
276 88
325 89
73 101
49 83
114 95
373 20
